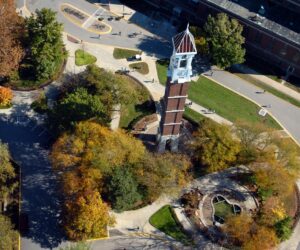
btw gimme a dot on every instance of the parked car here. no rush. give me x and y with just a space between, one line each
135 58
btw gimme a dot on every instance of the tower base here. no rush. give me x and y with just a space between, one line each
169 142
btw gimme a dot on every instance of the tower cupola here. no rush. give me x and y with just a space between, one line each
184 49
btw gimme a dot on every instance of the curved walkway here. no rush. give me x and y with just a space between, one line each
286 114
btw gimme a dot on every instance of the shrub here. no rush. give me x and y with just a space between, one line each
283 228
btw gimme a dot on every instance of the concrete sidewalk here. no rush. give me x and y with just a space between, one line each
110 63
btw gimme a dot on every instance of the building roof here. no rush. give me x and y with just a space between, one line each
276 19
184 42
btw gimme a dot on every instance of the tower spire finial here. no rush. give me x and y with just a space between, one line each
188 26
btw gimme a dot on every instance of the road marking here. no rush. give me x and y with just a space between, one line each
92 18
87 14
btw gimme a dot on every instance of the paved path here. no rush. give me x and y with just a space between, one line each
285 113
147 42
28 142
155 88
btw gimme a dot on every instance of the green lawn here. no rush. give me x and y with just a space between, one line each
268 88
84 58
140 67
192 115
164 221
124 53
162 68
223 209
141 107
226 103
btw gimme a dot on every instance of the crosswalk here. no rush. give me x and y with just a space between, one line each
92 18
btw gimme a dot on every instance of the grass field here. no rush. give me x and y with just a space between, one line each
84 58
223 209
140 67
164 221
124 53
162 68
192 115
137 109
226 103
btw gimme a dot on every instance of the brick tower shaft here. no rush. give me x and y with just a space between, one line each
176 92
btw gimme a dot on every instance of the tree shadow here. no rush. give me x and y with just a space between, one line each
29 147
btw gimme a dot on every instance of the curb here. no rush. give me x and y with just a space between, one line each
273 94
249 99
88 15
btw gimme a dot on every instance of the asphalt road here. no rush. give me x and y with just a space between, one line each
147 42
29 146
285 113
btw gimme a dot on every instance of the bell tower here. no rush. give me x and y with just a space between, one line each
173 103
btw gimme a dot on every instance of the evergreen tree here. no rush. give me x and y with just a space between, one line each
123 189
45 41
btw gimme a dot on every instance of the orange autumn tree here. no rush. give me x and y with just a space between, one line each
264 238
87 216
6 96
11 32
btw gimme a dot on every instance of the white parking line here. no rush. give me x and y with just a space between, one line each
92 17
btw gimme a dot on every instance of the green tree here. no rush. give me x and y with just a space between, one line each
87 216
162 173
8 236
7 174
78 106
123 189
200 41
45 42
283 228
257 143
112 88
225 40
214 146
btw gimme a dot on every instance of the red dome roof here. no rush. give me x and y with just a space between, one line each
184 42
